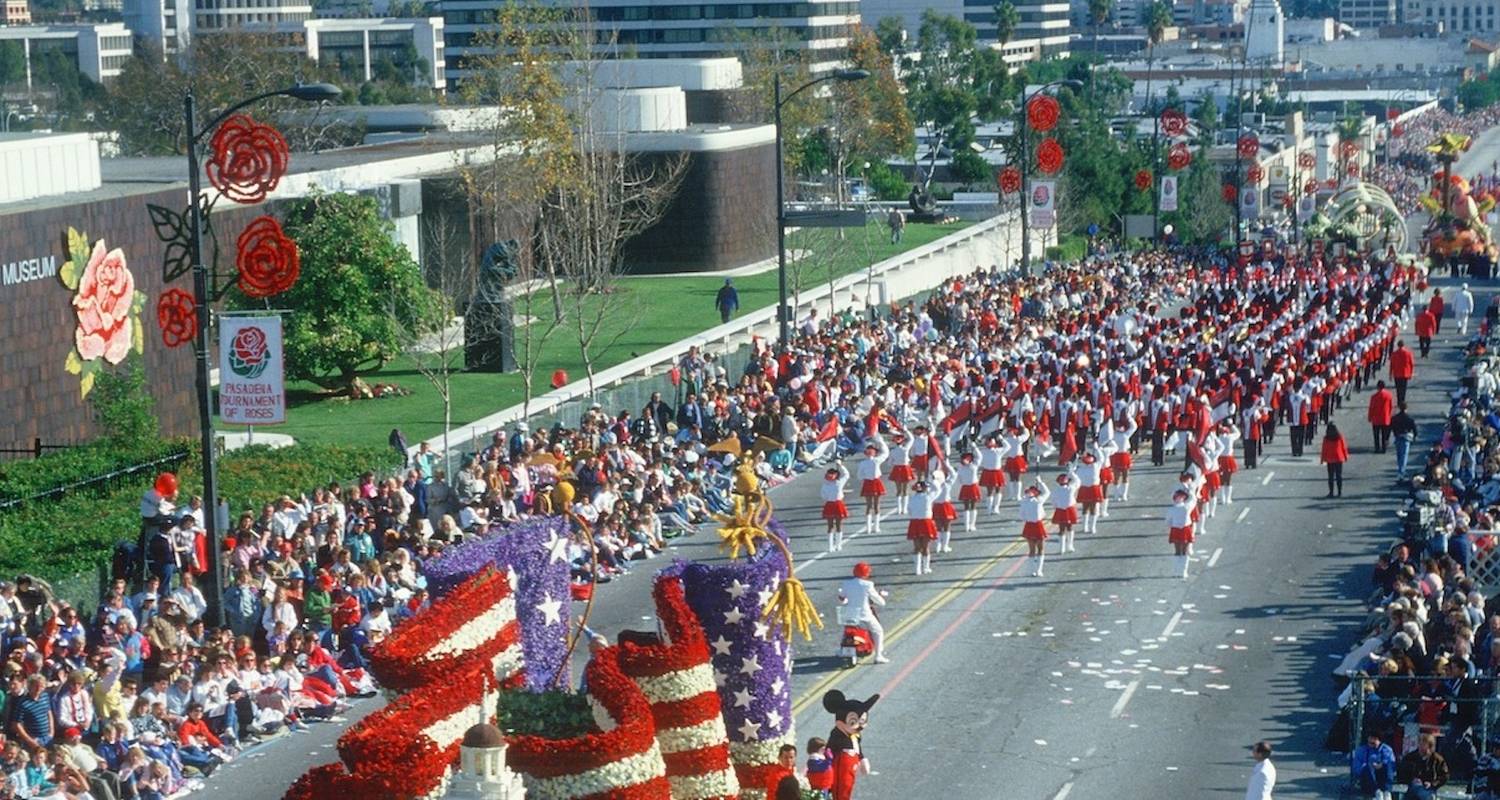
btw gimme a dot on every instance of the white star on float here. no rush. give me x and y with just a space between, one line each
765 595
719 679
550 609
742 698
751 665
733 616
773 718
750 731
762 630
776 686
721 646
736 589
556 547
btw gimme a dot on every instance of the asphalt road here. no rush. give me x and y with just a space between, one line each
1108 678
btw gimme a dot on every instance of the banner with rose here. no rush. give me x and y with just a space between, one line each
106 305
252 388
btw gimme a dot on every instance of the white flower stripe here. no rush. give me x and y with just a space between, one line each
697 787
478 630
759 753
602 718
752 794
509 661
693 737
678 685
451 729
627 771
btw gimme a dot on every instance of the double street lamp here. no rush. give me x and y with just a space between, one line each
783 311
202 300
1023 125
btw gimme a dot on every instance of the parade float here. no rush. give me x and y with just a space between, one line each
1457 234
695 710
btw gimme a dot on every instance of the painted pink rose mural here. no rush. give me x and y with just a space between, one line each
106 304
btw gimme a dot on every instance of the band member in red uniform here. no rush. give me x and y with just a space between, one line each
871 487
834 509
850 717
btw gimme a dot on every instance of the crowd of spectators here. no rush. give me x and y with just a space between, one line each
1406 171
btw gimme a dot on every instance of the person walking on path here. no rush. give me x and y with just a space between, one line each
1404 431
1263 777
1463 308
1335 453
1379 415
1435 305
727 300
1372 768
897 221
1403 366
1426 329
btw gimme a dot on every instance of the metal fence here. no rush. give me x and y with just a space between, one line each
97 483
33 450
1402 708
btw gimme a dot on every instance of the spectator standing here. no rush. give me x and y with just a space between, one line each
1373 768
1263 776
1404 431
897 222
727 301
1381 403
1335 453
397 441
31 718
1463 307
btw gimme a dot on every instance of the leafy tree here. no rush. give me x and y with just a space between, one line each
1007 20
968 168
954 82
12 63
890 34
1207 118
869 118
123 406
358 291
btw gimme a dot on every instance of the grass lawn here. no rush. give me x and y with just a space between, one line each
666 309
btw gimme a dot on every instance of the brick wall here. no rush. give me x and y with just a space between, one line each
37 321
721 218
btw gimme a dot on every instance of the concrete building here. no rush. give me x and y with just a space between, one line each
100 50
1265 34
1378 57
1453 16
221 15
1045 26
676 29
15 12
414 46
164 24
1367 13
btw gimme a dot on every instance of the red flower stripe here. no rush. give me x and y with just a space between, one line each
654 789
687 712
406 660
758 775
702 761
634 733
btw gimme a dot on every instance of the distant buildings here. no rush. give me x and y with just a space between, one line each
15 12
1453 16
1367 13
100 50
414 46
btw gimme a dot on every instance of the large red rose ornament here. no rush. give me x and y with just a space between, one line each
1352 169
1348 148
1179 156
1255 173
106 292
1310 187
267 260
1010 180
1173 122
177 315
1229 193
1143 179
1042 113
246 160
1049 156
1248 146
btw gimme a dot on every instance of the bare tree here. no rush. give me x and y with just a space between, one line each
437 350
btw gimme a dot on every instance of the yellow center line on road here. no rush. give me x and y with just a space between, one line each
815 692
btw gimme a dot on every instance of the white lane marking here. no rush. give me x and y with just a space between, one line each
1119 707
1090 752
1166 632
1243 513
1267 480
1214 559
1062 793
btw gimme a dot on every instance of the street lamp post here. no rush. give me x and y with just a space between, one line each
783 312
202 301
1023 126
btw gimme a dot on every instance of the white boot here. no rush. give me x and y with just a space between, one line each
916 559
1070 540
833 542
1041 560
1182 566
1062 542
1034 566
944 537
839 541
869 522
877 522
1125 492
1104 507
927 564
1229 495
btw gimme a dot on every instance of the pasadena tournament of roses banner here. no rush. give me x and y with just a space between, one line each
252 387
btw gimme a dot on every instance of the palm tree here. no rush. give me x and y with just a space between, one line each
1007 19
1099 13
1158 19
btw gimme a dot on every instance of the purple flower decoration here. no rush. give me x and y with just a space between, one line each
543 602
751 658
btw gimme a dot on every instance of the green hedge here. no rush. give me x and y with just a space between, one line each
22 479
57 539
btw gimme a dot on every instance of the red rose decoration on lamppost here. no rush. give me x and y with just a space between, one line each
1049 156
1347 149
1229 193
1255 173
1042 113
1310 187
177 315
1179 156
1009 180
1143 179
246 159
249 354
1305 160
1173 122
267 260
1248 146
1352 169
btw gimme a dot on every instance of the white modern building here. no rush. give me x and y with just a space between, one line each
1265 34
222 15
1453 16
357 46
1045 26
100 50
165 24
1378 57
1368 14
679 28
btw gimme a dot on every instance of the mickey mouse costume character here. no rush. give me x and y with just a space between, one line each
849 720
